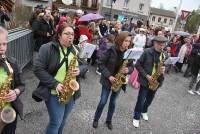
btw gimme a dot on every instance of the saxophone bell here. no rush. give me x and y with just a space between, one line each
73 84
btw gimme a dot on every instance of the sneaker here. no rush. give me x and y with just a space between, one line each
145 116
98 72
109 125
95 124
197 92
190 92
136 123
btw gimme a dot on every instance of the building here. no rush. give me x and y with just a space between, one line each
85 5
33 3
162 18
136 9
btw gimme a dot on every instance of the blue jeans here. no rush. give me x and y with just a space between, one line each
104 97
57 114
145 97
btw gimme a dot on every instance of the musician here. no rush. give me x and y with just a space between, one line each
18 86
146 65
51 70
109 65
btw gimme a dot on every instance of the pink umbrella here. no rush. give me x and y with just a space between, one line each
90 16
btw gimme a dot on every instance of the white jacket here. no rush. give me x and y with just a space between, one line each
182 53
139 41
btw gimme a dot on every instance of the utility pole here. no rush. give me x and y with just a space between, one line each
177 14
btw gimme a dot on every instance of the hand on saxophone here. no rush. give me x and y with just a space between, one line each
163 69
74 72
59 88
112 79
11 96
149 78
124 70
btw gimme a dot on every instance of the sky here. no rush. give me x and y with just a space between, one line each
188 5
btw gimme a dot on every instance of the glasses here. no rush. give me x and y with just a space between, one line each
68 34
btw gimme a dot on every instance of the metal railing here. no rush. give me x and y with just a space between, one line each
20 46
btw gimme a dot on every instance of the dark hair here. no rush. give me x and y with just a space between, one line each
60 29
121 37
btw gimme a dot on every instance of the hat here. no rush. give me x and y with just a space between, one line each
142 29
83 38
79 11
160 39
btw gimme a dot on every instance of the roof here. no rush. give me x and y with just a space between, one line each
163 12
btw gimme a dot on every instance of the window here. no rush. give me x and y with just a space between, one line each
170 22
94 3
108 2
74 2
153 18
141 5
126 3
165 20
159 19
84 2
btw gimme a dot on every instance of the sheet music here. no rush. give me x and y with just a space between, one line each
171 60
133 53
87 50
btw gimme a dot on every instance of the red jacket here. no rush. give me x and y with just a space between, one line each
87 32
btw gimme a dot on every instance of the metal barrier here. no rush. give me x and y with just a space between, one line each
20 46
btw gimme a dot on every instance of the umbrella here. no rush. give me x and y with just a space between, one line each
7 4
90 16
181 33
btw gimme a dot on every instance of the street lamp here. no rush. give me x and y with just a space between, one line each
112 1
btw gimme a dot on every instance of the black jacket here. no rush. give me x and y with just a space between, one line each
195 59
107 64
44 68
16 83
144 65
41 28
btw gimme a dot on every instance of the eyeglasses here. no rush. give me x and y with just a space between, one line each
68 34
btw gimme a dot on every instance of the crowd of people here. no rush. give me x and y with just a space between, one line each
57 38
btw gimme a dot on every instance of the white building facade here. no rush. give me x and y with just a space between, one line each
136 9
162 18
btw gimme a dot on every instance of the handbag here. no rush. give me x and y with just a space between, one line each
133 79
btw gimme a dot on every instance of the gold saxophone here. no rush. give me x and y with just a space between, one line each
153 85
69 83
7 113
121 78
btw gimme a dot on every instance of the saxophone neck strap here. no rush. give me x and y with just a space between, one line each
7 64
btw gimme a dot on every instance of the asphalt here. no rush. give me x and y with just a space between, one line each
173 110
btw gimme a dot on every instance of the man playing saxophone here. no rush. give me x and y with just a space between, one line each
151 69
110 64
56 66
11 86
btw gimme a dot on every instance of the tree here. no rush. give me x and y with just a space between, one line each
193 21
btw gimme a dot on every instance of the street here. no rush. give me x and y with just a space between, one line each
173 110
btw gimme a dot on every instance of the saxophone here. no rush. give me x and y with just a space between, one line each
121 78
69 83
7 113
153 85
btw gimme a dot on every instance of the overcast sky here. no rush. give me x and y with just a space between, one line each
169 4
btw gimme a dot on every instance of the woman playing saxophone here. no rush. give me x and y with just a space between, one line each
110 64
55 66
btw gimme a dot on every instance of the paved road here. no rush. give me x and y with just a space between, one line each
173 111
